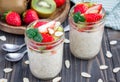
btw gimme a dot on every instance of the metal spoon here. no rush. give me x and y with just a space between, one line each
12 47
14 57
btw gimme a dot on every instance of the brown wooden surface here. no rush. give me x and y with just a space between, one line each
60 15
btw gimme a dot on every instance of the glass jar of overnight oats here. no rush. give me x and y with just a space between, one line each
86 21
45 50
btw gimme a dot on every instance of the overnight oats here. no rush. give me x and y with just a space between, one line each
44 41
86 21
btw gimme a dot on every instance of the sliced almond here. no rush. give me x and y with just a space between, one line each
117 69
58 33
67 64
25 79
45 26
27 62
57 79
57 24
3 38
7 70
102 67
84 74
113 42
109 54
100 80
51 31
66 41
3 80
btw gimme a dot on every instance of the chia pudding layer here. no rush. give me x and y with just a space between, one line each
86 44
47 64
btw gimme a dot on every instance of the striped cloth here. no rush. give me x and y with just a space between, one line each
112 8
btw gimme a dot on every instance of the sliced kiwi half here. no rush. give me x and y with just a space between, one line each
43 7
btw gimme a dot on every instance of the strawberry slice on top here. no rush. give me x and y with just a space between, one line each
93 17
40 23
82 8
94 9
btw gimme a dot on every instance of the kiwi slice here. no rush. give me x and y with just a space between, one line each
43 7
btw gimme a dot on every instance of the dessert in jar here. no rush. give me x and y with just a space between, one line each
44 41
86 21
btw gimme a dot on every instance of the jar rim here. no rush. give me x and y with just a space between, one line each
44 43
87 23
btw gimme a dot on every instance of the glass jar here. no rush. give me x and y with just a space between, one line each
45 58
85 44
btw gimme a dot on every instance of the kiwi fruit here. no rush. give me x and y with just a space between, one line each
18 6
43 7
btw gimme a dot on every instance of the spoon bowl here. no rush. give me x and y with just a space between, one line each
14 57
12 47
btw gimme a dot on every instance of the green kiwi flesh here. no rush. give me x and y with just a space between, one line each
43 7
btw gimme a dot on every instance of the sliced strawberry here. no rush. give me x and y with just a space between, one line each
82 8
44 28
95 9
47 38
40 23
92 17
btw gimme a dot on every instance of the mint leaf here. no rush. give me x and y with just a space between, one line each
77 17
38 38
31 32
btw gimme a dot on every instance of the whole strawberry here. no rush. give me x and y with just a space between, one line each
59 3
12 18
30 16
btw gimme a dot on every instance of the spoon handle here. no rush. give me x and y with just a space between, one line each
24 52
22 45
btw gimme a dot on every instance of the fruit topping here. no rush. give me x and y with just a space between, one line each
58 33
82 8
59 3
43 7
47 38
30 16
40 23
12 18
94 9
33 34
78 17
92 17
44 28
42 31
86 14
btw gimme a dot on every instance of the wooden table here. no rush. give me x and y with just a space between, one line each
21 70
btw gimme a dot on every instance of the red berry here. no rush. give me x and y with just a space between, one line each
92 17
94 9
30 16
40 23
82 8
59 3
12 18
47 38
